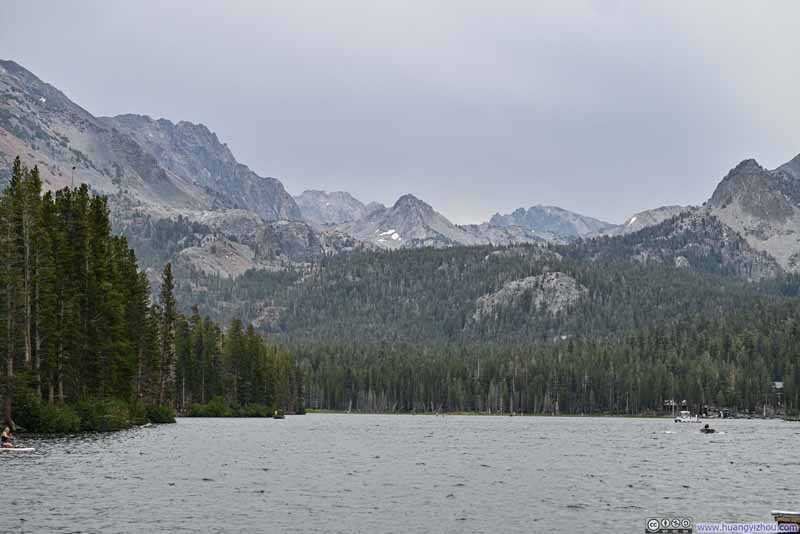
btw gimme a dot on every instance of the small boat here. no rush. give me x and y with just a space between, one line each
707 430
17 449
278 415
685 416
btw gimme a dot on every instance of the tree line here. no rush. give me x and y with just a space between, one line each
710 364
430 295
79 331
236 367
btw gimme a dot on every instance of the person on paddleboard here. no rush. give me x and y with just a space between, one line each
7 438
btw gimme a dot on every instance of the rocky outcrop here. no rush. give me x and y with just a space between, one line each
551 293
220 256
295 242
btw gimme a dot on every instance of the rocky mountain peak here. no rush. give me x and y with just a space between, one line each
192 153
764 207
184 136
756 191
410 202
552 220
747 165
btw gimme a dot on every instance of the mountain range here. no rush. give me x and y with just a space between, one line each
179 194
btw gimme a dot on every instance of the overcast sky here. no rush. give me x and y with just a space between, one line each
605 108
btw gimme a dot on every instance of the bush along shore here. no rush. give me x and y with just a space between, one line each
87 348
218 407
32 415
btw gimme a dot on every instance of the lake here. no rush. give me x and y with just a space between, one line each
401 473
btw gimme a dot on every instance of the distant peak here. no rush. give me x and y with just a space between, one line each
408 198
409 201
742 179
748 165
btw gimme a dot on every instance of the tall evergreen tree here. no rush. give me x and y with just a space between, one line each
167 338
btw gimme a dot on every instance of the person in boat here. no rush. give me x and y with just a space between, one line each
707 430
7 438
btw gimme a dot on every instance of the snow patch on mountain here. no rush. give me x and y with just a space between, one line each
644 219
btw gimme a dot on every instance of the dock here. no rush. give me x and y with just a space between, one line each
783 517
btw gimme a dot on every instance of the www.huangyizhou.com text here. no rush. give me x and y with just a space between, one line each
744 528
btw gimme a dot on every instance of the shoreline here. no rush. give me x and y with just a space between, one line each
488 414
483 414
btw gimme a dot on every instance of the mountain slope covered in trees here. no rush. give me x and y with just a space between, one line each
682 267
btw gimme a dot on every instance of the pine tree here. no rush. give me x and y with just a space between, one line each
166 396
46 297
11 265
28 233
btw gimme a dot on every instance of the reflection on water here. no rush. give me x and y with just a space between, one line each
372 473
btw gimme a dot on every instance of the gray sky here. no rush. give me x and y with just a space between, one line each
605 108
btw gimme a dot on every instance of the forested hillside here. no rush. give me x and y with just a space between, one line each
672 312
82 344
434 294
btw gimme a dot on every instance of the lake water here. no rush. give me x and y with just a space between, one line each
374 473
